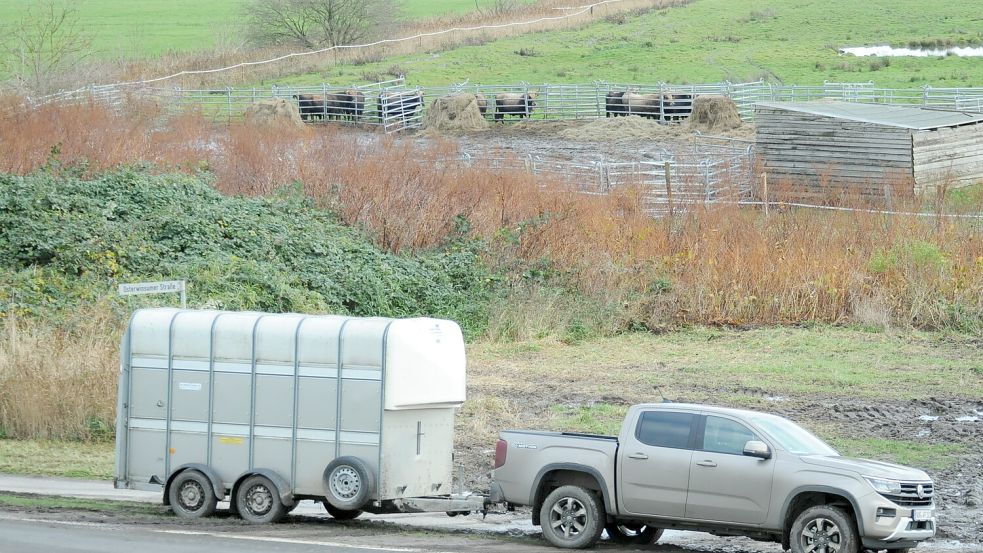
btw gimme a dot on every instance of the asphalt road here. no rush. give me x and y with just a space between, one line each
27 535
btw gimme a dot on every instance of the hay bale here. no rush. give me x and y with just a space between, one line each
455 112
714 114
273 113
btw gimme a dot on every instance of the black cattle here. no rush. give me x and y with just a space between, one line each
679 108
311 106
614 105
512 103
646 105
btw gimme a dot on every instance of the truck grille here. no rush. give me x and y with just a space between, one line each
910 497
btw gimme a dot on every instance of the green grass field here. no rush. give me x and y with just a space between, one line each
791 41
143 28
126 28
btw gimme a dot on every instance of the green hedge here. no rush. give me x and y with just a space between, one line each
66 239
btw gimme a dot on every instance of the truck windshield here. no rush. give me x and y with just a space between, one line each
792 437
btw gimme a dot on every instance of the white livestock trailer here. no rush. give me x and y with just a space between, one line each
268 410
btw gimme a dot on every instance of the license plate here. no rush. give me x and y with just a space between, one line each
919 515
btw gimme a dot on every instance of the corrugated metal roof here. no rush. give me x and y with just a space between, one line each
907 117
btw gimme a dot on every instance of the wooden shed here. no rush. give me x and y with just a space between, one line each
816 148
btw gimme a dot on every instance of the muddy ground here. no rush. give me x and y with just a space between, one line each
621 139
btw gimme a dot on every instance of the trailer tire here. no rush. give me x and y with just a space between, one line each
348 483
572 518
258 501
341 514
191 495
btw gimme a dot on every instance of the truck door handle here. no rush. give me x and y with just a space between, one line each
638 456
707 463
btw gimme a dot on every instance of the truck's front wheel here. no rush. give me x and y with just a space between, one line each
572 518
823 529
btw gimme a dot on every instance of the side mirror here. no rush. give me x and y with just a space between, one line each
756 448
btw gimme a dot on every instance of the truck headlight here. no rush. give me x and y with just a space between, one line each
889 487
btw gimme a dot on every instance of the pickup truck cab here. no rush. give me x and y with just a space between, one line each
711 469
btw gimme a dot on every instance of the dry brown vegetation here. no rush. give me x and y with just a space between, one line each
60 382
721 266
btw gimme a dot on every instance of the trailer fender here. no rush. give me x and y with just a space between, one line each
282 486
204 469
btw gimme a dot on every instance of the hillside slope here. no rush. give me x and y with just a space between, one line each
790 41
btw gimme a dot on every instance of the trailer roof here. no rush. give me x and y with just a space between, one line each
907 117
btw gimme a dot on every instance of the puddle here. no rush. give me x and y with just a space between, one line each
891 51
967 418
928 418
776 398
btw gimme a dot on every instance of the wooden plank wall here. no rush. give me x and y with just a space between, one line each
954 155
825 158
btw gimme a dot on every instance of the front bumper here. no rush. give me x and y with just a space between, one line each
900 530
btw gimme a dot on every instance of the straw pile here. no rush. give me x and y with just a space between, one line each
272 113
455 112
714 114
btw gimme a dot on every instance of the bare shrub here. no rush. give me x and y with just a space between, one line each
315 24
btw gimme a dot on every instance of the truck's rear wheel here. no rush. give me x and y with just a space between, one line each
191 495
633 533
823 529
258 501
348 483
572 518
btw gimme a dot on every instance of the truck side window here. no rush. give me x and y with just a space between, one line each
726 436
665 429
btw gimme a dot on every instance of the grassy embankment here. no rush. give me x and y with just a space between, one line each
790 41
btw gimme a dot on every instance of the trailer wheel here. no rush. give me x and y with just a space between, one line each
341 514
191 495
572 518
348 483
258 501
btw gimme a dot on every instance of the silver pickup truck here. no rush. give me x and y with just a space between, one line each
711 469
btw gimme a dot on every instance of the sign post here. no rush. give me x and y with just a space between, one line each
165 287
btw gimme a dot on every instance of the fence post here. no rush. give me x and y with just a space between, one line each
925 90
228 92
669 188
764 191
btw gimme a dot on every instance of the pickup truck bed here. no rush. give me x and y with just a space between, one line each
524 470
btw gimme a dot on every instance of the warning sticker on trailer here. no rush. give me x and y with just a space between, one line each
231 440
190 386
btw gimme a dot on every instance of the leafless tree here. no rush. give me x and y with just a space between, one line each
45 44
318 23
